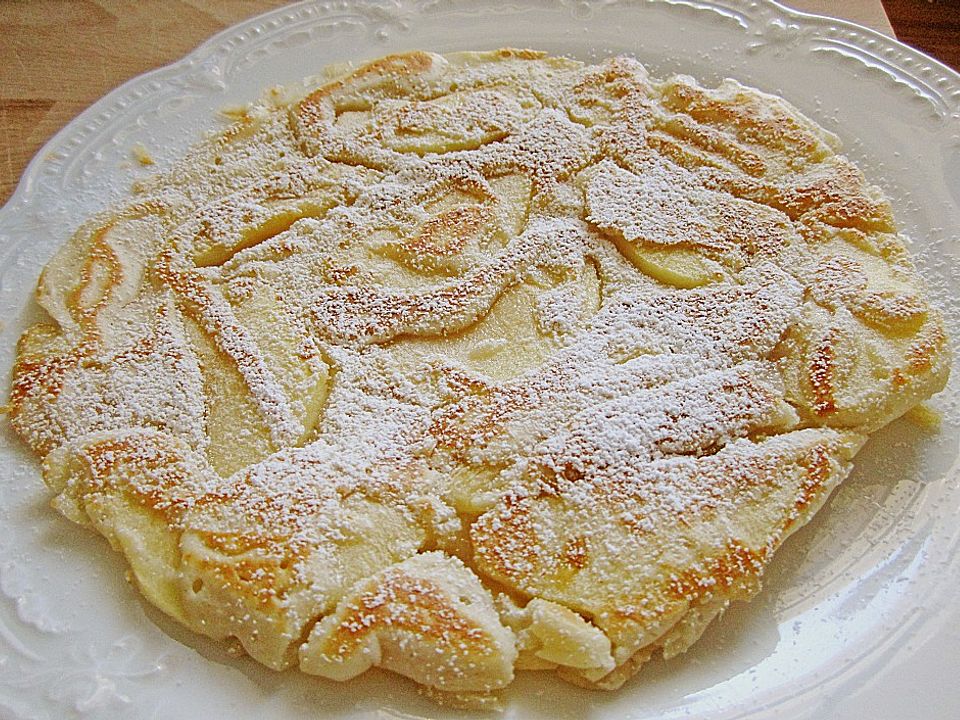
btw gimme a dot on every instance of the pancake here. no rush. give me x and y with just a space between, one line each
469 364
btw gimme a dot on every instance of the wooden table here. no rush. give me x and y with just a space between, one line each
59 56
931 25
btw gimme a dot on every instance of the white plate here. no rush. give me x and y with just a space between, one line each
860 614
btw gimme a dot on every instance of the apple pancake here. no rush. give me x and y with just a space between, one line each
459 365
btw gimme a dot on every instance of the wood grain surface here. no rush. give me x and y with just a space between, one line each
57 57
930 25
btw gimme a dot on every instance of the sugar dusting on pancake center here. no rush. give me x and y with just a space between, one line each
469 364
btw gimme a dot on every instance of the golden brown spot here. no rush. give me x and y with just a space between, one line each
476 418
738 566
312 111
399 64
34 376
714 141
142 468
574 553
340 275
821 373
448 233
505 541
462 383
753 119
817 471
441 239
520 54
240 129
416 605
100 259
233 543
264 574
921 353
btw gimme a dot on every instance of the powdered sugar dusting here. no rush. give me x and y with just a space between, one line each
696 288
